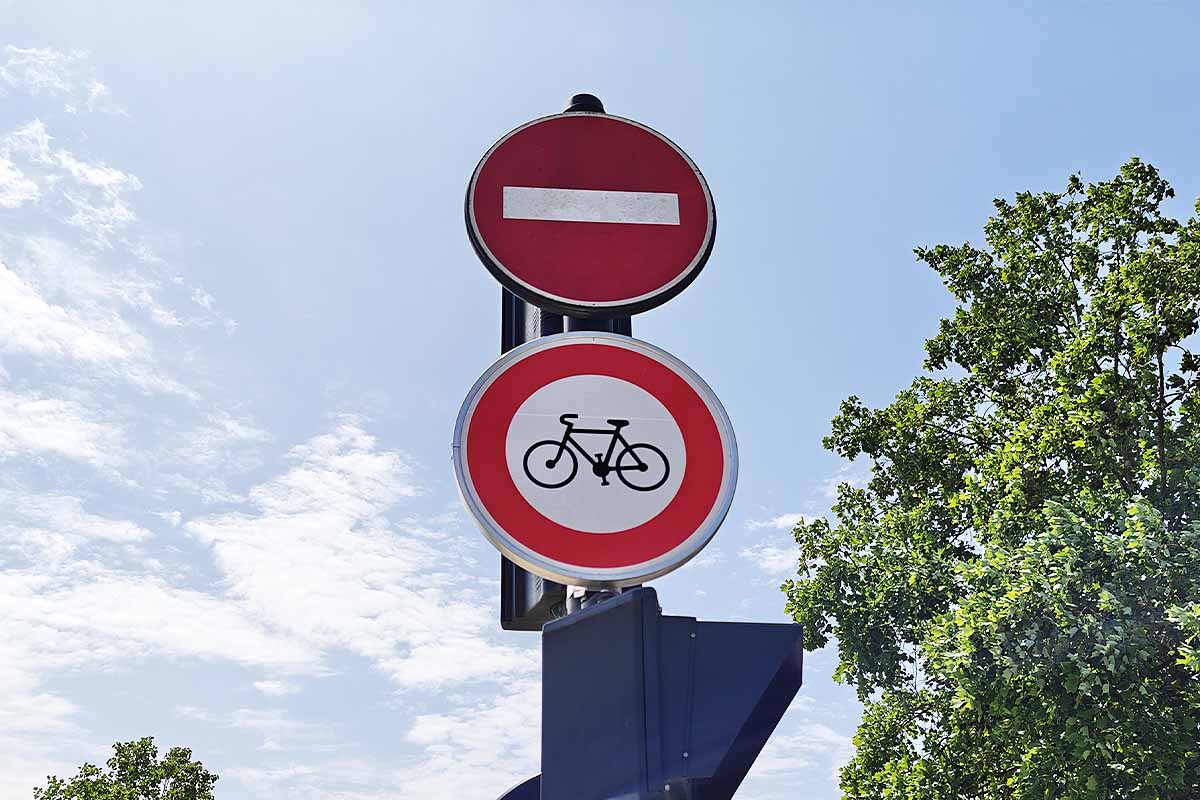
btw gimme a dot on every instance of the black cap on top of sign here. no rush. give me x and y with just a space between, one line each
585 102
590 215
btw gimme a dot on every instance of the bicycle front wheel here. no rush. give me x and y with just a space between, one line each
643 467
549 465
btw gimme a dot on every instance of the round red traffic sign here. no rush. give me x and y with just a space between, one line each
590 215
595 459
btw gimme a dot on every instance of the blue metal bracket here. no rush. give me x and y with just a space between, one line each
637 705
525 790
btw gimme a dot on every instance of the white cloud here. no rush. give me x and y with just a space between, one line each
219 447
35 727
453 658
15 188
776 555
94 194
709 557
317 557
802 748
39 70
99 286
277 688
31 325
773 559
279 729
58 306
65 609
845 474
64 614
473 752
90 377
46 71
33 424
95 302
781 522
49 528
112 616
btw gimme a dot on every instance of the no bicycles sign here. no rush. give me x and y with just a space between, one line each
595 459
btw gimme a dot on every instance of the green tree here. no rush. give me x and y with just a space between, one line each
135 772
1016 592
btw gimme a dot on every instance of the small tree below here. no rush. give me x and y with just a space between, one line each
135 772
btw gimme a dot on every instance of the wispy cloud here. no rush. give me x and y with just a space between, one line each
780 522
93 394
805 746
710 557
47 528
84 299
16 189
476 743
470 752
277 688
773 559
776 554
33 424
313 565
95 196
31 325
848 474
67 75
108 605
277 729
316 555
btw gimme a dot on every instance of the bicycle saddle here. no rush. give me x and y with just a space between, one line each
617 423
563 419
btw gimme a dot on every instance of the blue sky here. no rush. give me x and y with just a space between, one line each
238 312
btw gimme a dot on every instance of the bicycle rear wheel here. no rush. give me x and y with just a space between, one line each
644 470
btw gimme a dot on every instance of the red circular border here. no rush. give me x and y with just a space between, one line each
487 431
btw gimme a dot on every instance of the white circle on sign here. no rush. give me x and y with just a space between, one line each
620 483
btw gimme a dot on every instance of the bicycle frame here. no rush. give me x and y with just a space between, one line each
617 436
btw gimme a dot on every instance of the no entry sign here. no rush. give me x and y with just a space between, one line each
595 459
590 215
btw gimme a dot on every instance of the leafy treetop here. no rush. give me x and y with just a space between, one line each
1016 591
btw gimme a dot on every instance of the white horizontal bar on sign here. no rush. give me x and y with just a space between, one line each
591 205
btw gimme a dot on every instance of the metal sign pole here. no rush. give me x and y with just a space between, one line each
528 601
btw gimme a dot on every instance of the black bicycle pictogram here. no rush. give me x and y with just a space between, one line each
640 466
